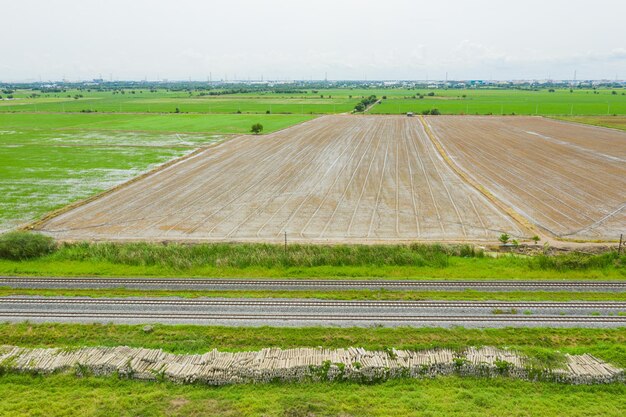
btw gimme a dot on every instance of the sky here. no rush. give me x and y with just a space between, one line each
312 39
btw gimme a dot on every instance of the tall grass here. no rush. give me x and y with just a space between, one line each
179 256
184 257
578 261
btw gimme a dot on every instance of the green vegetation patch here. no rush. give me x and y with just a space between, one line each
305 261
67 395
163 101
504 102
42 172
174 123
546 101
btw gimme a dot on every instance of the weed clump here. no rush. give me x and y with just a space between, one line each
578 261
24 245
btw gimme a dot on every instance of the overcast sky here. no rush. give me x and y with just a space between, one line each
281 39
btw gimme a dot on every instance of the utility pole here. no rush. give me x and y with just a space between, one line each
619 248
285 243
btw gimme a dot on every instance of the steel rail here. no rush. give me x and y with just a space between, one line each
315 317
308 283
308 303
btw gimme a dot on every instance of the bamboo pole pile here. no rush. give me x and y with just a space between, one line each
301 364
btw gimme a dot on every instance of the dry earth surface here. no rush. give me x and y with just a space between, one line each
334 179
567 178
375 179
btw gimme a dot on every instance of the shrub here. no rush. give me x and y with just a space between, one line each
256 128
23 245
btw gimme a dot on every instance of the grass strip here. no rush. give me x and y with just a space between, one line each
300 260
67 395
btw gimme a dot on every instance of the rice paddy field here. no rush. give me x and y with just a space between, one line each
173 123
600 102
163 101
499 102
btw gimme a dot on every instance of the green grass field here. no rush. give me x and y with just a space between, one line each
561 102
66 395
162 101
306 261
153 123
448 101
42 171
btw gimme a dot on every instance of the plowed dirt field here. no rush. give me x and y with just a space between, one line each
567 178
335 179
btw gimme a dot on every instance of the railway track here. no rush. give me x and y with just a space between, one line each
293 303
305 284
315 317
303 312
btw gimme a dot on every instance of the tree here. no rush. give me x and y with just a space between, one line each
536 239
256 128
504 238
435 112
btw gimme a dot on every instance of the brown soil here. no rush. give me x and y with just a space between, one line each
568 179
332 179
